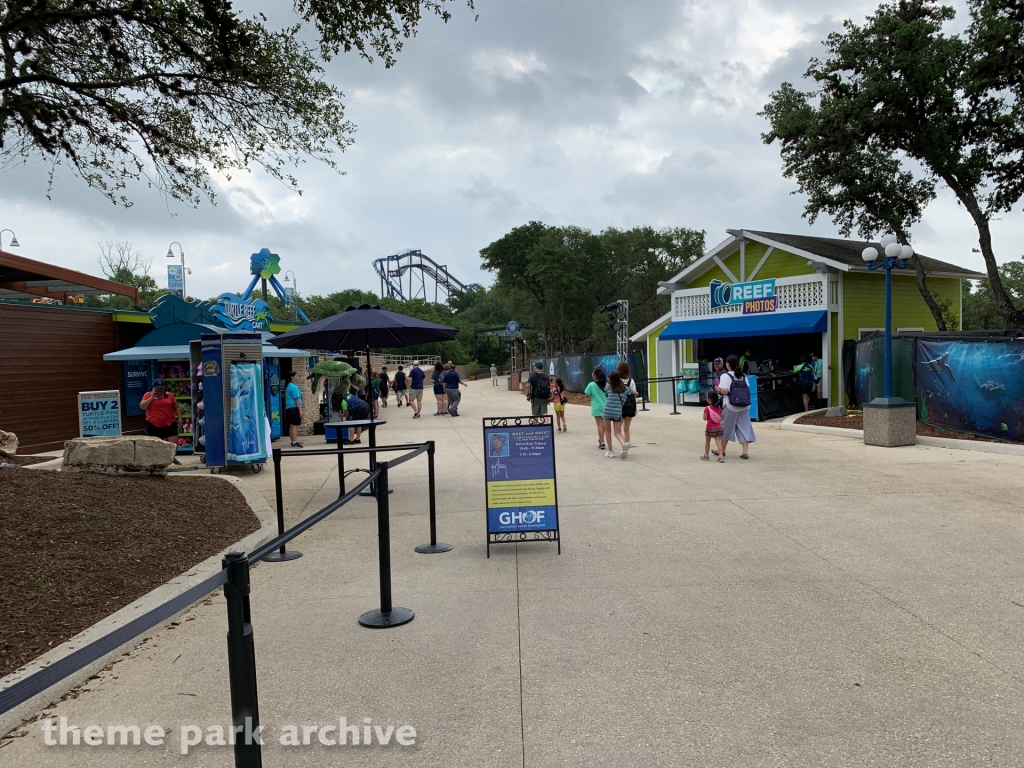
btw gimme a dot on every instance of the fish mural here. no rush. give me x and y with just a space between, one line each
246 430
974 387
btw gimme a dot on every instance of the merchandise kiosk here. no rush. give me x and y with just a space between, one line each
234 428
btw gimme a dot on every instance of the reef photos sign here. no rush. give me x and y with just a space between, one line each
756 297
522 498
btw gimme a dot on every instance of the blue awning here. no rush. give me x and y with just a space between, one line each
767 324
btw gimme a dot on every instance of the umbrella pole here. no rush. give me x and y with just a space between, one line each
373 442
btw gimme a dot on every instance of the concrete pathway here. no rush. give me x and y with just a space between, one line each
823 603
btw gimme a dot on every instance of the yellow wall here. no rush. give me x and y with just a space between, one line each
864 301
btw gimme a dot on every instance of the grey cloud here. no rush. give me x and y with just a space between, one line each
455 145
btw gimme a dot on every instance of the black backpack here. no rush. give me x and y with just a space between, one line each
806 374
541 388
739 393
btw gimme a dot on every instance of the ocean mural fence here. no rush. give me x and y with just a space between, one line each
971 386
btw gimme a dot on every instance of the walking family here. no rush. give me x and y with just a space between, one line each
613 406
727 415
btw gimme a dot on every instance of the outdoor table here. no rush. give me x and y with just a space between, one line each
371 426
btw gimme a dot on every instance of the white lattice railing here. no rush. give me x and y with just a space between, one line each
793 293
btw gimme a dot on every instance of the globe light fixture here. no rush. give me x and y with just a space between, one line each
896 257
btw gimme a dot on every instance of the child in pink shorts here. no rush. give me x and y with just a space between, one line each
713 426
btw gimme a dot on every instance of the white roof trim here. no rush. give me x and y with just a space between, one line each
666 318
797 251
707 261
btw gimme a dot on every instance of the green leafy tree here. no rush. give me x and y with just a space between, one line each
981 310
558 277
164 93
900 108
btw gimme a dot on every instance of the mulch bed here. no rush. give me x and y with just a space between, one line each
78 547
856 421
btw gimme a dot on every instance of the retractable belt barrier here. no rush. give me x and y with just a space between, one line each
234 577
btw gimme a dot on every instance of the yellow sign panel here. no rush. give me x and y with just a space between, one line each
521 493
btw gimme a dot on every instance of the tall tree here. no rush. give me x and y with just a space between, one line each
900 108
123 263
165 93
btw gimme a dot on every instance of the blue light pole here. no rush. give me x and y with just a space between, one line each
896 257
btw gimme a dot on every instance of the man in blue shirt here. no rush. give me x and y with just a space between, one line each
293 408
452 382
416 377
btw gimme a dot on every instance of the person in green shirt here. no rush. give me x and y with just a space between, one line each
816 364
805 380
494 375
598 397
747 355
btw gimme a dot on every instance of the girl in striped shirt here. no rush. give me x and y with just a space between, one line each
613 414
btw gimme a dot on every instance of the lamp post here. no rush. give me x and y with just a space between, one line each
896 257
171 255
14 239
295 290
889 421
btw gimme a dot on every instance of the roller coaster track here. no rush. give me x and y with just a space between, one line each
415 268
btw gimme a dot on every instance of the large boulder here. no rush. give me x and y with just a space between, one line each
8 443
118 455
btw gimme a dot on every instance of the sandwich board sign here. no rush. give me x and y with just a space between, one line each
522 497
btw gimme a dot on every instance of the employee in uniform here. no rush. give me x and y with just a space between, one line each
746 357
816 364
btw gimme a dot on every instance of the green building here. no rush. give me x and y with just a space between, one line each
781 296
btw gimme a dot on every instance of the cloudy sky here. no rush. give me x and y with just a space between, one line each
590 112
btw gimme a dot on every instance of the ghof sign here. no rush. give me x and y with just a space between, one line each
522 500
99 414
756 296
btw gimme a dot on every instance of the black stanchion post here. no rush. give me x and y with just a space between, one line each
242 663
647 385
675 396
281 555
433 547
388 615
341 466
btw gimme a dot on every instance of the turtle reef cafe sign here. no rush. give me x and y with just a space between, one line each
756 297
238 314
522 499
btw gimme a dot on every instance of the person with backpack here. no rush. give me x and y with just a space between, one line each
805 380
540 390
399 385
736 424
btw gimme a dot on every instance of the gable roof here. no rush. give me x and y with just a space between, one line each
844 255
848 252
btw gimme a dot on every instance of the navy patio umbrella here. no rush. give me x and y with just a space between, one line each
364 327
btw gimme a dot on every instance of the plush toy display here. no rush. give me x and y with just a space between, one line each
335 369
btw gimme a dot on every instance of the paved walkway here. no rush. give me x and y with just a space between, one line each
821 604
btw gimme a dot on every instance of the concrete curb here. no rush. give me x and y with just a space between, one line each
17 716
978 446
